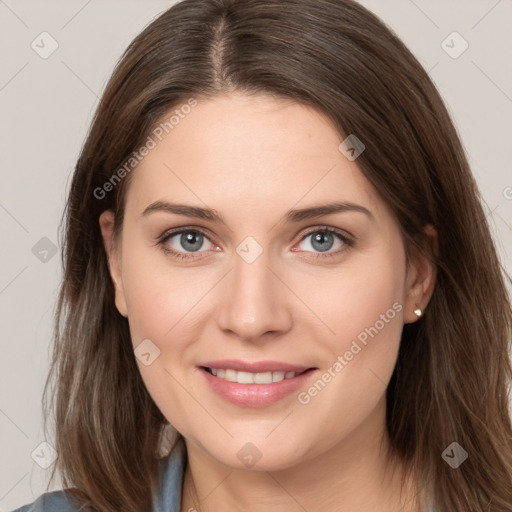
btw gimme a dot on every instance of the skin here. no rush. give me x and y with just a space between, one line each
253 158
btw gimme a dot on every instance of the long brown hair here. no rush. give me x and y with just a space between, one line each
452 378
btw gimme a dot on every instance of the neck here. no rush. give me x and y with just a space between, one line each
356 475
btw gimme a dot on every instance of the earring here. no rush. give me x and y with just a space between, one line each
418 312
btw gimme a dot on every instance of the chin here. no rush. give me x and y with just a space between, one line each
256 453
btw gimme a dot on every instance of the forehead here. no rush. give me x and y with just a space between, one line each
248 155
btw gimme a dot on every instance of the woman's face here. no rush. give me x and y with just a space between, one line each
265 290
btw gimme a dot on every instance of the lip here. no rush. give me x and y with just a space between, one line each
255 395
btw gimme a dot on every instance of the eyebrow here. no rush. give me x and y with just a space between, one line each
296 215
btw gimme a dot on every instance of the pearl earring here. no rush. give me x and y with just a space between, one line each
418 312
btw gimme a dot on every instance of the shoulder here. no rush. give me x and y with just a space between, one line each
168 498
57 501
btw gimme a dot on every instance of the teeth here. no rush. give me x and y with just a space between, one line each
230 375
263 378
252 378
277 376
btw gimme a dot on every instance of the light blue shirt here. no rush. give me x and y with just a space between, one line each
168 498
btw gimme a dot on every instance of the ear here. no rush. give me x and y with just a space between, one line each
421 277
114 259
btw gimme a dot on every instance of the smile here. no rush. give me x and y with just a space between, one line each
250 377
255 389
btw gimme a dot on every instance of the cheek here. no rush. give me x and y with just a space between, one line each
354 299
160 299
161 309
363 307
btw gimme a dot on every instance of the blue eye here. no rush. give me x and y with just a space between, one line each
184 242
324 239
188 241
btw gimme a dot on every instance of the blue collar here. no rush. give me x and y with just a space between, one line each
172 468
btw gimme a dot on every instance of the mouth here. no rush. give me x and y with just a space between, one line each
244 377
255 384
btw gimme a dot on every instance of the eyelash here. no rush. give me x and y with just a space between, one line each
182 256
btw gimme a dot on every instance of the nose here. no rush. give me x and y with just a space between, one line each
255 303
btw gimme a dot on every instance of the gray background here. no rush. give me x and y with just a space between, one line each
47 104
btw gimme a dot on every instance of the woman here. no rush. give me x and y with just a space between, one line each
275 252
